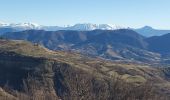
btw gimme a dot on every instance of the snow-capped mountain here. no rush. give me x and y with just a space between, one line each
25 26
88 27
2 24
52 28
20 26
81 27
14 27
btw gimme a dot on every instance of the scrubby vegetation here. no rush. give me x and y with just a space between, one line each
49 75
83 87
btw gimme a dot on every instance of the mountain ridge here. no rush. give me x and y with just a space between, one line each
120 44
147 31
81 27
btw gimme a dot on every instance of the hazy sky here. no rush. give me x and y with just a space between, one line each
132 13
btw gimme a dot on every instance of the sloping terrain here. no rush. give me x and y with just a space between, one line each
120 44
159 44
30 70
6 96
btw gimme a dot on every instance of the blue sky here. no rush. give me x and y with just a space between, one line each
132 13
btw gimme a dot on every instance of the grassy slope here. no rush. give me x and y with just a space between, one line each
133 72
130 72
6 96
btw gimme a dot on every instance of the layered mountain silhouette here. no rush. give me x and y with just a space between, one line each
146 31
122 44
159 44
149 31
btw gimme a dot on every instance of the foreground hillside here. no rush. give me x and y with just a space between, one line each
30 71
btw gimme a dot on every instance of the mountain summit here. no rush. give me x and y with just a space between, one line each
81 27
20 26
149 31
88 26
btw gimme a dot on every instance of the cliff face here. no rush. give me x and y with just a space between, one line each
34 71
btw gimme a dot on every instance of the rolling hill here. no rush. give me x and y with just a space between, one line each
28 68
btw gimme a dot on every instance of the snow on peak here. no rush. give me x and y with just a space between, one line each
83 27
3 24
80 27
88 27
25 25
20 26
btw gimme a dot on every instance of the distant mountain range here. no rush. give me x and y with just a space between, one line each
122 44
145 31
149 31
81 27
